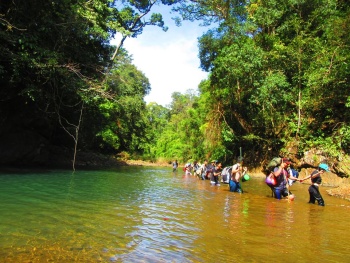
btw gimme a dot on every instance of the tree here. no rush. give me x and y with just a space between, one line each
277 69
157 120
134 16
51 61
55 57
182 138
125 119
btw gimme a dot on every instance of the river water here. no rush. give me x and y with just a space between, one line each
137 214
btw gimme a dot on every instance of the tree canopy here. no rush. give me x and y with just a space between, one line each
278 76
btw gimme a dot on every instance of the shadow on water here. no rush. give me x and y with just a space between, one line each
137 214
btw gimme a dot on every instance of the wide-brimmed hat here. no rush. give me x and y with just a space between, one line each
324 166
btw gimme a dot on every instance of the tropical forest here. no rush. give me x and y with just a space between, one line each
278 83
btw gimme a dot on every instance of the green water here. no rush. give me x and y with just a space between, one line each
135 214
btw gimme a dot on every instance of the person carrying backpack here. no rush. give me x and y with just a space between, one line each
237 173
188 169
197 169
203 170
280 174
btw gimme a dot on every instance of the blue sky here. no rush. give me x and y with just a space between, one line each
168 59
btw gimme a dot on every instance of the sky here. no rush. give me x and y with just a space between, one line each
168 59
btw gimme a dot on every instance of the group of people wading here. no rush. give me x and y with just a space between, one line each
279 176
213 171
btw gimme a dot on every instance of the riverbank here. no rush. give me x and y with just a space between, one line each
147 163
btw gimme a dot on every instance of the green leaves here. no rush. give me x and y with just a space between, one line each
57 55
278 70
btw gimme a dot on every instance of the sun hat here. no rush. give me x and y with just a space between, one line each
324 166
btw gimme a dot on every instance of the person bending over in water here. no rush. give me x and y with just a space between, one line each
280 173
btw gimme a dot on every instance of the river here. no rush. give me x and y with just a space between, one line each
150 214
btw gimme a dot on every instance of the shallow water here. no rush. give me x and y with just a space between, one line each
135 214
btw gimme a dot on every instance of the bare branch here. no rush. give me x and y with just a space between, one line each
9 25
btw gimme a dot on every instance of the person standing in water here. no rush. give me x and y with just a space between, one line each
238 171
316 180
203 169
280 173
217 173
210 171
175 165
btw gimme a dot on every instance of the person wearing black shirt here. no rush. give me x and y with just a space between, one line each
316 180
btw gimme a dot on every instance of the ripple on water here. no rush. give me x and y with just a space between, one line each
154 215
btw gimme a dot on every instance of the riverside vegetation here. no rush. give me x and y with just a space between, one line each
278 84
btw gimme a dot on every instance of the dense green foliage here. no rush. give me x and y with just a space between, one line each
61 79
279 74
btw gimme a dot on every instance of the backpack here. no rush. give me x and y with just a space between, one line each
295 173
226 174
199 171
276 161
185 166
